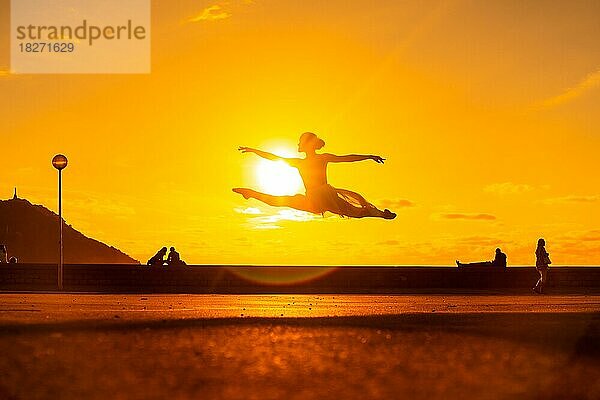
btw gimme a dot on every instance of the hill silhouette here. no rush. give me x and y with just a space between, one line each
30 232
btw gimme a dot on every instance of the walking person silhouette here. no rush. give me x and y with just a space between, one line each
542 261
320 196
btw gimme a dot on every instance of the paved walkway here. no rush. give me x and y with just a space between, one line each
263 347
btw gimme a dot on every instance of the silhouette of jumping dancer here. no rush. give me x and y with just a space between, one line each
320 196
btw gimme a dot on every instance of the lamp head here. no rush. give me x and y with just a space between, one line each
59 162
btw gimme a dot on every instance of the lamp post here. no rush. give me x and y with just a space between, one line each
60 162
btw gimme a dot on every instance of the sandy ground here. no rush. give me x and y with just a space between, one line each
76 346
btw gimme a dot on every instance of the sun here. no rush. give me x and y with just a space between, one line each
278 178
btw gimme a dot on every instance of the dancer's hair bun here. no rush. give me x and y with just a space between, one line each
317 141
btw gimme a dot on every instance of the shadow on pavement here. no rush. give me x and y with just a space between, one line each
578 332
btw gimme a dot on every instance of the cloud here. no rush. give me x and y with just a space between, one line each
267 226
212 13
577 247
336 244
285 215
248 210
505 188
480 241
396 203
590 82
474 217
260 220
591 236
389 242
572 199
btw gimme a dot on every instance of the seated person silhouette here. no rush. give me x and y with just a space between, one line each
499 261
3 254
174 259
159 258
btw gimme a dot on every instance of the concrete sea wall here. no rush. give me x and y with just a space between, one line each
286 279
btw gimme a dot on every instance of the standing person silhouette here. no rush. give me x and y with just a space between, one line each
320 196
542 261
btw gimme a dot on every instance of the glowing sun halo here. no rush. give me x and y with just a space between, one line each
278 178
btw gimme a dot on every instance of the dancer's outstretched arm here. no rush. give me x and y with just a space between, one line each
353 158
267 155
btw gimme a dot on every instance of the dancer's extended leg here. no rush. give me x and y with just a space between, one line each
299 202
363 212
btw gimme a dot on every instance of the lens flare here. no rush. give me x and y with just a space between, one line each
279 275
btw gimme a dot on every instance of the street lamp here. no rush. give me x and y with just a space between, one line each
60 162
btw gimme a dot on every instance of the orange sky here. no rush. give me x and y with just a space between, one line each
488 114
